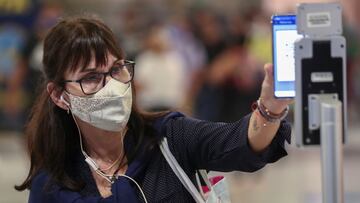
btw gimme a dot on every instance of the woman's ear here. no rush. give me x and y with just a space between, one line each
56 96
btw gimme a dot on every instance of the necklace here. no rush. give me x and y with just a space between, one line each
110 178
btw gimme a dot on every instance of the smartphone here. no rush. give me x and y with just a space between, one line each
284 35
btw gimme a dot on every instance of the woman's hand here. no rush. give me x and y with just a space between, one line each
274 105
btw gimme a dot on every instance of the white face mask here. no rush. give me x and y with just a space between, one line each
109 109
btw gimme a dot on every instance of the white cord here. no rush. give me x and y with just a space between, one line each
113 164
97 168
86 155
142 192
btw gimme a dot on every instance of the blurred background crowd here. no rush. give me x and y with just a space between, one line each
202 57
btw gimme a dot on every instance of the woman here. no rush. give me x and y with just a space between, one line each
89 143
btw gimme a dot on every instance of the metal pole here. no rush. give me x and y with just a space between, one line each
332 152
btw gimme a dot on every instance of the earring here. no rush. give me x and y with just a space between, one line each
68 111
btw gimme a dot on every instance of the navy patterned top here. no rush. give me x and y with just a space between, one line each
196 144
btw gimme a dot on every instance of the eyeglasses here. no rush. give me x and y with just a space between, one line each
93 82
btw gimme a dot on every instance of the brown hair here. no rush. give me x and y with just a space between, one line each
50 132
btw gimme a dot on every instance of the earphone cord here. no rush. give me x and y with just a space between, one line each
113 164
109 178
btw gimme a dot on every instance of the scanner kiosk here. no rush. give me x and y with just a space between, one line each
320 86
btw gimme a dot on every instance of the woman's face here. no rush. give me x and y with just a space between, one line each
74 88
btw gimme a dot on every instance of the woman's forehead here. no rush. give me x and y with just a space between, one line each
92 66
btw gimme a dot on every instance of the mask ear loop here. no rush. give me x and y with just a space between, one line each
66 103
87 158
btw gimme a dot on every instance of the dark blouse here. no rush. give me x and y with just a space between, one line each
196 144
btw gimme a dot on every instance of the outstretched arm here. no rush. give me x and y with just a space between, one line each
260 131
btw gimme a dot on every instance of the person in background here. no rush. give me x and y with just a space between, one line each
192 53
160 73
25 74
210 31
33 52
12 41
235 73
89 142
351 33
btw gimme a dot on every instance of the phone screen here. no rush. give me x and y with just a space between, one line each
284 35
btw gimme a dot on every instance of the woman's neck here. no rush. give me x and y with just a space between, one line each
101 144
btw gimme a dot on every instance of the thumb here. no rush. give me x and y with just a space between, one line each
269 78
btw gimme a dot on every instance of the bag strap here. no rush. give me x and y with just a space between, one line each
205 179
179 172
204 176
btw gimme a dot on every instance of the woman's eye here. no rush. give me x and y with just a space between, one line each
116 68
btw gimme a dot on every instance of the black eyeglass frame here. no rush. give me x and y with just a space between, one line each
126 63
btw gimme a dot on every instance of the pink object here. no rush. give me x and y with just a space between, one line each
213 181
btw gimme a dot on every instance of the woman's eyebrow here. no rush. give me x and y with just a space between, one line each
88 70
93 69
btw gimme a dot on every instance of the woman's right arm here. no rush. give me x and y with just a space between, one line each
222 146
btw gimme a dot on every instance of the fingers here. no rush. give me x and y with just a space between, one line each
268 68
268 80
